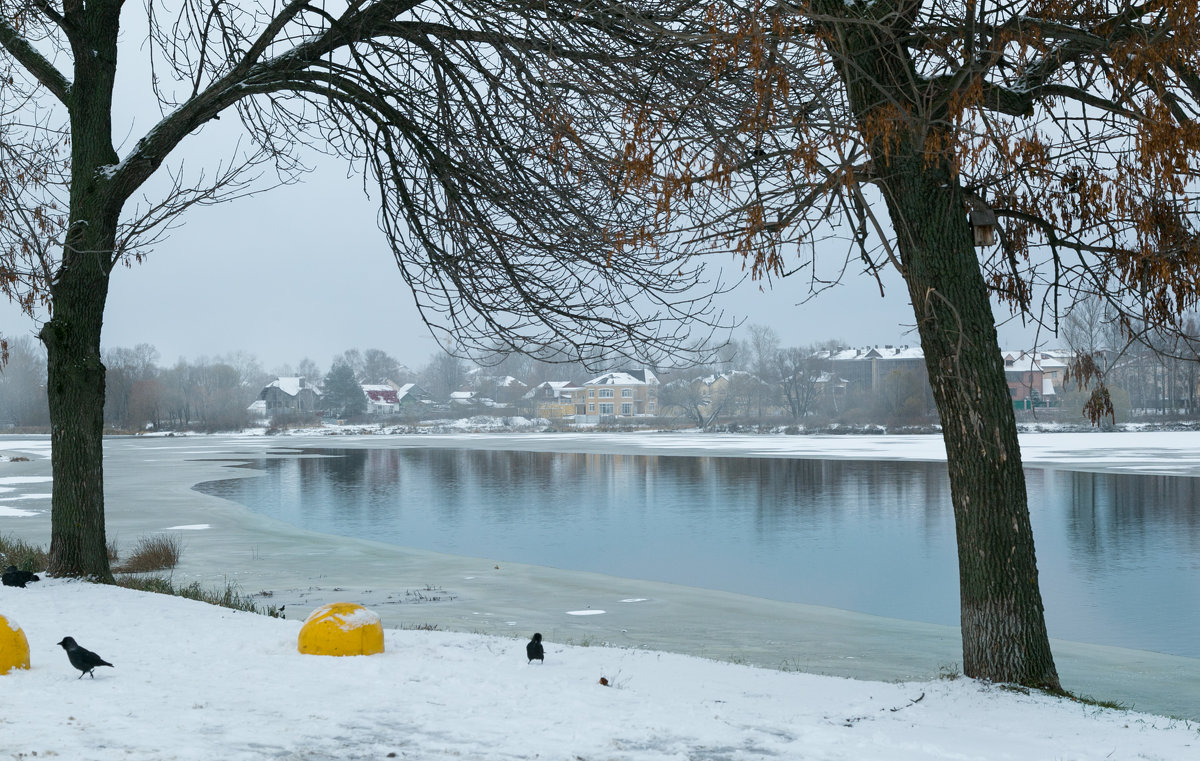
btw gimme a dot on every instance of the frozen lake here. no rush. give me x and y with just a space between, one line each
1119 554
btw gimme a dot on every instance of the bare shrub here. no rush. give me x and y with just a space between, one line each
153 553
22 554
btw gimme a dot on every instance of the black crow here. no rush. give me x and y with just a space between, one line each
15 578
84 660
534 649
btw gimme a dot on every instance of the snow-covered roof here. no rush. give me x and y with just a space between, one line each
559 388
1048 387
462 395
872 352
1047 357
1025 364
1053 360
624 378
291 385
901 352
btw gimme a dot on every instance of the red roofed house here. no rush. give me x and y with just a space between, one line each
381 400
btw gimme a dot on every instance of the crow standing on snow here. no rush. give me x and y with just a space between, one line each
84 660
534 649
15 578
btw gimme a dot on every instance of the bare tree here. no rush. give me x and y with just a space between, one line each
799 372
700 400
761 344
306 368
1088 327
353 359
485 128
126 369
444 374
380 367
23 384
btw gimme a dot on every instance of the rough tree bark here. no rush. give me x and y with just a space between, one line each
75 392
1004 633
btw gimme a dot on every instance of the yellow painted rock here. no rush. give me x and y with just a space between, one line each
341 628
14 648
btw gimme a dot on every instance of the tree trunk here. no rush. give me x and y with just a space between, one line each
75 391
78 292
1003 627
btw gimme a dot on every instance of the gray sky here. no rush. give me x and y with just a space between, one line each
302 271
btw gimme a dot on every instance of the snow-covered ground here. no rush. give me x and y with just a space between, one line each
191 681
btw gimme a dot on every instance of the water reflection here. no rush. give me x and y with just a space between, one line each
1119 555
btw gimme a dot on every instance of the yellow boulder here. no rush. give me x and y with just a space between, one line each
14 648
341 628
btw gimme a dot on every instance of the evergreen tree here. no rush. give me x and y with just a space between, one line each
343 395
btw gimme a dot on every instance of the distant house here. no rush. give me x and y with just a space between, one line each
1029 385
868 367
503 390
381 400
411 395
1054 364
713 387
556 399
291 394
621 393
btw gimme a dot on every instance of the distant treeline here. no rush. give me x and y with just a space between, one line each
753 379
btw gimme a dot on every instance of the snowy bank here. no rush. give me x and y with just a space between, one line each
192 681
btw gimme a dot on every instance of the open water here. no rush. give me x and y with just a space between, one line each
1118 554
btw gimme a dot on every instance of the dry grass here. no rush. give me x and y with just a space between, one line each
230 597
29 557
153 553
22 554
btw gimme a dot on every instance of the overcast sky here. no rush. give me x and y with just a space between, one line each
303 271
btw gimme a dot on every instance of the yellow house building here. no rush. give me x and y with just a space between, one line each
621 394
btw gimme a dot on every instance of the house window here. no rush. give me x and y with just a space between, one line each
592 392
592 407
626 393
650 407
606 393
626 409
606 409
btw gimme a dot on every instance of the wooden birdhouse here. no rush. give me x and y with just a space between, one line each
983 222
